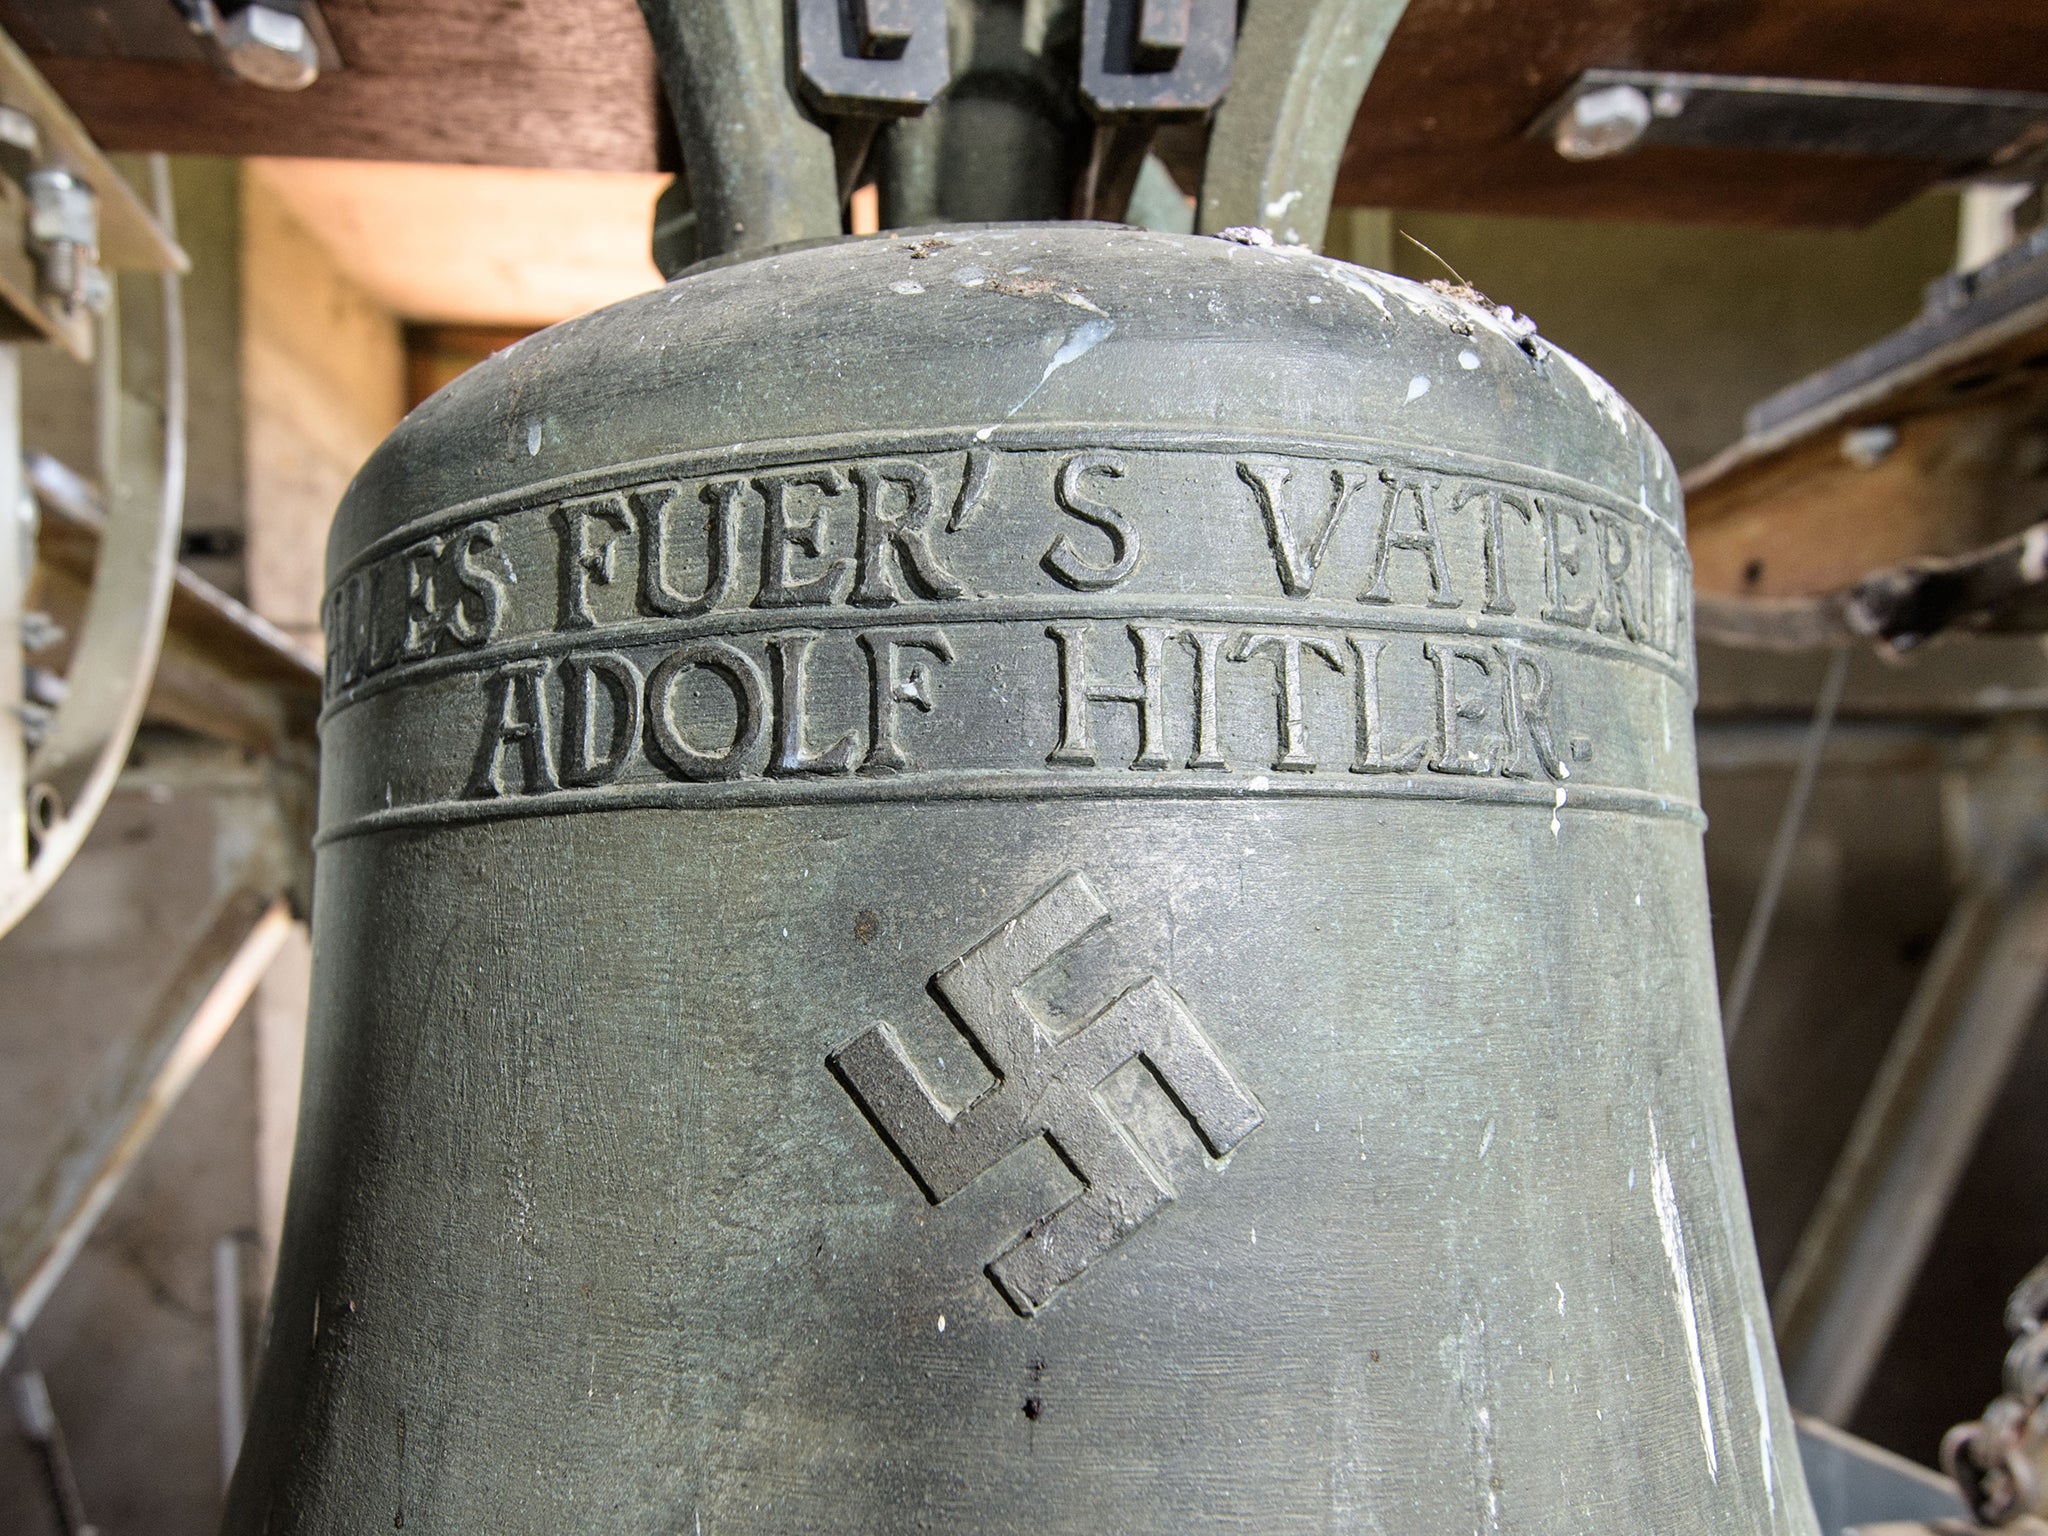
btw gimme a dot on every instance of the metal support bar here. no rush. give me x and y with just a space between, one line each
40 1427
229 1368
17 558
1958 127
1301 70
44 1233
760 170
1856 1261
1857 1484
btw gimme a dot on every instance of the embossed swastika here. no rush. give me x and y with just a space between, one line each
1046 1083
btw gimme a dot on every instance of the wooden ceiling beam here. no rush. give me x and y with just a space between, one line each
570 84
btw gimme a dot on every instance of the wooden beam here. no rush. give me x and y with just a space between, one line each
1941 467
1442 125
562 83
223 673
571 84
66 1197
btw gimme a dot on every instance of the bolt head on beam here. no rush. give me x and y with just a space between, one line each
1601 123
270 47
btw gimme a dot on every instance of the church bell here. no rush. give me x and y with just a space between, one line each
1028 877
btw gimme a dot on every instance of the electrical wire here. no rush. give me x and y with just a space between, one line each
1750 957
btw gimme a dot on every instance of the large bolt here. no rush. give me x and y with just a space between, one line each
1602 123
270 46
64 233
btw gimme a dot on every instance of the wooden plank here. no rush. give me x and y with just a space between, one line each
1808 521
138 1087
323 382
1441 126
568 84
223 672
571 84
1790 513
493 115
1964 677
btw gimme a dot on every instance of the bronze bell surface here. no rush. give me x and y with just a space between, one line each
1035 879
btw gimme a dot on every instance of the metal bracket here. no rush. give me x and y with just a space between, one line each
1156 57
760 168
872 58
69 213
1608 111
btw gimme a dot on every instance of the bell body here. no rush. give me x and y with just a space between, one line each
1039 879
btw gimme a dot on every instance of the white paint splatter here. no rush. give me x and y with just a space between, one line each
942 1322
1557 826
1468 359
1350 277
1453 311
2034 554
1762 1397
533 437
1083 339
1492 1477
1463 1355
1277 209
1087 335
1417 388
1665 1198
1598 390
1486 1137
1560 1298
906 285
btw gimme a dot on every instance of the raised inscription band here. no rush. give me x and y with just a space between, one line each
1015 621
